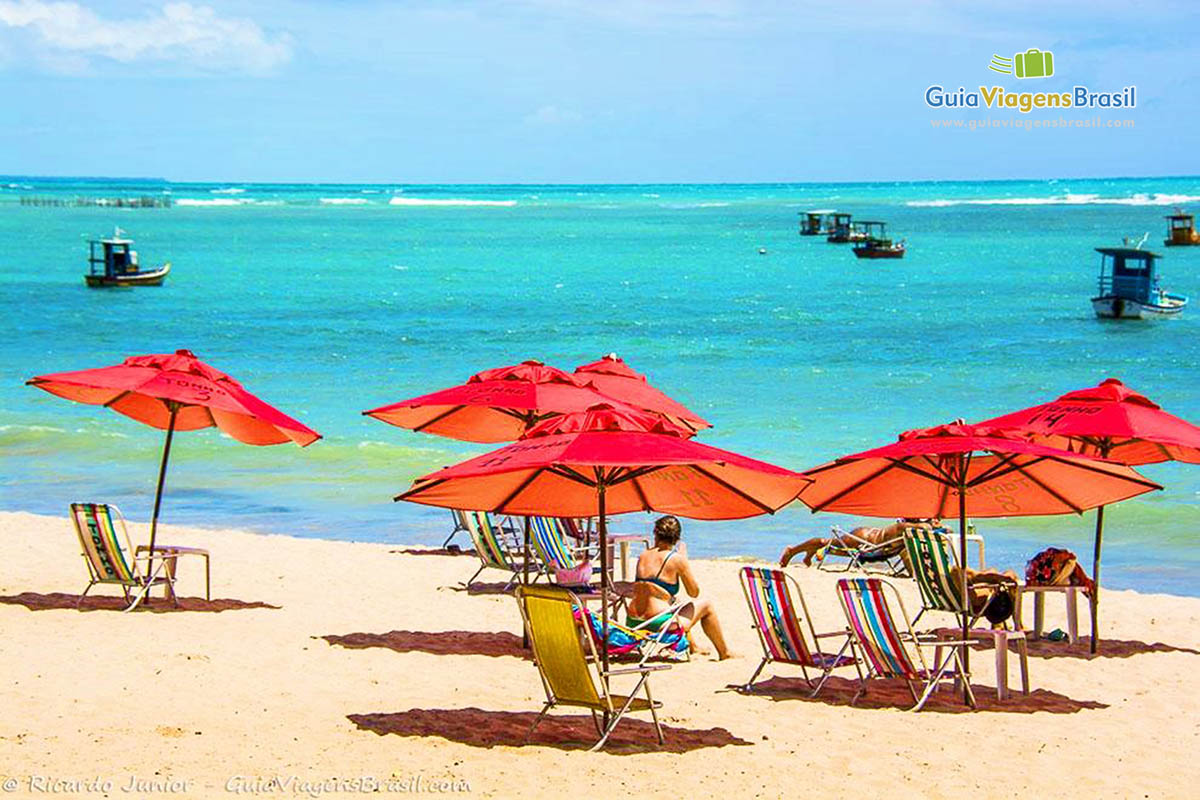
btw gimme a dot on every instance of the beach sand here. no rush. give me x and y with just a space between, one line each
337 661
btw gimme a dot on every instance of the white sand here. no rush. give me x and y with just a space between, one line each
203 698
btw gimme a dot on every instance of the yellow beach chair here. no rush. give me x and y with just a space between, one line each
571 675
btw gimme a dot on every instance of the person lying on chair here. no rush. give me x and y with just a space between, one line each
870 535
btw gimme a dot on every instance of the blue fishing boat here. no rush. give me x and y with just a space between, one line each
114 262
1129 286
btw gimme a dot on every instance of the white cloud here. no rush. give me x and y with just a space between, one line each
548 116
71 35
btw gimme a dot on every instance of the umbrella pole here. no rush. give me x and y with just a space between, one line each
966 599
1095 604
603 595
162 476
525 556
525 582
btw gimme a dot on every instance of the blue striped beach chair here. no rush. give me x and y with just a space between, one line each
495 545
889 650
781 625
106 549
548 539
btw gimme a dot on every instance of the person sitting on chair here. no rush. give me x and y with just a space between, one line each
869 535
661 571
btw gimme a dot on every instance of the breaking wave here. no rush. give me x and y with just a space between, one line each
417 201
1064 200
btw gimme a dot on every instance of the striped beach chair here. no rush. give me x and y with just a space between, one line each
569 666
781 625
934 563
548 538
647 640
888 650
107 551
460 525
495 545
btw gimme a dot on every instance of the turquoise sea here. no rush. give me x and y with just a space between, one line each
329 299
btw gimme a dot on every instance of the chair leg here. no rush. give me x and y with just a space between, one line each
1000 639
617 715
1023 652
545 709
143 594
79 602
654 715
749 685
1072 615
1039 613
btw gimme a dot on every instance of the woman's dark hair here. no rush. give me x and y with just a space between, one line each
667 529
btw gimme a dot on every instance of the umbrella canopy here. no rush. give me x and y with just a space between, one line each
618 380
496 405
972 470
644 462
177 392
1002 476
610 460
1111 421
146 388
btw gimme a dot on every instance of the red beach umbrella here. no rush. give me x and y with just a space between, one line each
971 469
618 380
608 461
177 392
496 405
1110 421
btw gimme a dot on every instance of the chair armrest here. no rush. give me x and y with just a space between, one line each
172 549
641 670
833 633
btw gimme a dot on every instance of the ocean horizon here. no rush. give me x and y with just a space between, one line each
327 299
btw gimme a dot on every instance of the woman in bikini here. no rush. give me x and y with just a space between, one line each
661 570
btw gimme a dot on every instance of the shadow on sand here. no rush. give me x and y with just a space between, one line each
1109 648
61 601
894 694
433 551
440 643
479 728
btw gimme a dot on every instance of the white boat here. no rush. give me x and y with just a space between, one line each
1129 286
114 262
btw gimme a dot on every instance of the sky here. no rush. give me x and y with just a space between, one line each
580 91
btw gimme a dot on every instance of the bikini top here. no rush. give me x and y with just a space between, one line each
670 588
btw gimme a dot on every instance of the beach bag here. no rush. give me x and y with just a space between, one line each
1051 567
1000 607
1056 567
580 575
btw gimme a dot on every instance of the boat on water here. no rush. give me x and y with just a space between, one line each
114 262
840 228
1181 230
817 223
876 243
1129 286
